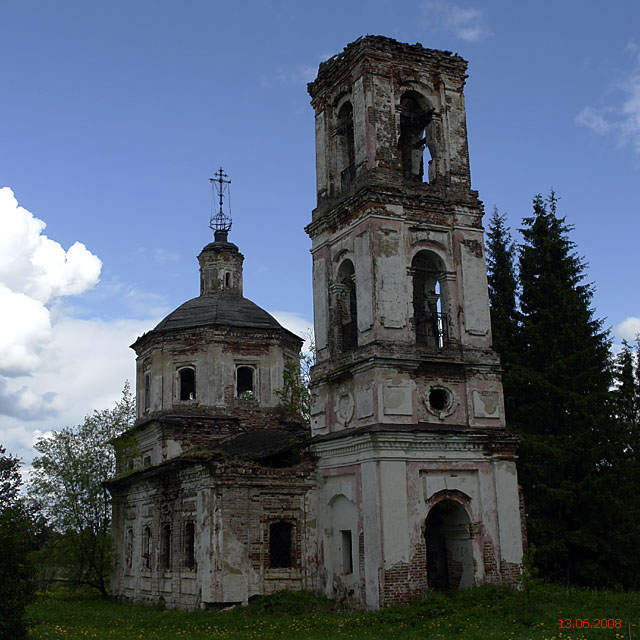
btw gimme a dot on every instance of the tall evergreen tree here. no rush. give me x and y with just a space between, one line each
571 448
503 287
626 408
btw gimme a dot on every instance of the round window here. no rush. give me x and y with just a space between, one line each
438 399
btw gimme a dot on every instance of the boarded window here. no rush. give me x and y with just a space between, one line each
146 547
189 545
165 548
187 383
347 551
280 544
244 382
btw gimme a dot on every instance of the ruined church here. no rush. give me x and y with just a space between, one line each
405 479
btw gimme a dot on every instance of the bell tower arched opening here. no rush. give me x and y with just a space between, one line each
346 308
449 547
429 298
416 142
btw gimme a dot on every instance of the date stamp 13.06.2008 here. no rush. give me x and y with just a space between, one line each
589 623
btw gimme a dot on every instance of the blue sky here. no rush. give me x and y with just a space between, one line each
114 114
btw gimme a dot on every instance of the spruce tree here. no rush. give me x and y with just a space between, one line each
571 448
503 286
626 407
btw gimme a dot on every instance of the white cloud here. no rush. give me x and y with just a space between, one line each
621 117
82 367
628 329
296 324
34 272
466 23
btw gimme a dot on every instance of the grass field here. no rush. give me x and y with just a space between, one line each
481 613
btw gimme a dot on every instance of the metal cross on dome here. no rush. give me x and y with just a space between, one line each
220 221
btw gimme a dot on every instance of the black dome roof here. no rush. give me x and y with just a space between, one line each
218 309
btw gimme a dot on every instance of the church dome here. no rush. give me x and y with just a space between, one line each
218 309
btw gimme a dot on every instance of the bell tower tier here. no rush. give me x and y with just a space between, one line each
406 391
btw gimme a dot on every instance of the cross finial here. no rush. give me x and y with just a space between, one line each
220 221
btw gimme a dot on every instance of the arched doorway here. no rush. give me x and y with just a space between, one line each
449 549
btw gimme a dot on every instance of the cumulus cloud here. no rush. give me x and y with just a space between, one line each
620 118
83 367
35 272
628 329
466 23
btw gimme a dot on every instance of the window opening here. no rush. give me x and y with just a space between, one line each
227 280
244 382
347 551
415 133
129 548
146 460
165 550
147 391
280 545
432 327
438 399
146 547
187 383
347 308
189 545
346 156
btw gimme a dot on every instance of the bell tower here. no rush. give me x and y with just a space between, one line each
418 484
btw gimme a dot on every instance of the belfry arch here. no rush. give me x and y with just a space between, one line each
416 143
429 300
448 539
346 308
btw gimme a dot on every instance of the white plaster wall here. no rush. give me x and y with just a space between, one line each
320 310
364 281
508 511
394 510
391 278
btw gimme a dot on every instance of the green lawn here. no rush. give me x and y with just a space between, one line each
482 613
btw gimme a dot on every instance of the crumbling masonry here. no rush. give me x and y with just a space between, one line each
407 480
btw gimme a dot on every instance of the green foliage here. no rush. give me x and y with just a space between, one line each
68 479
558 392
503 286
295 397
531 584
503 291
22 530
475 614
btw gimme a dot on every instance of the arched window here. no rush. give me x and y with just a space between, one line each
416 142
346 308
280 547
227 280
245 383
431 324
187 379
165 548
345 147
189 545
146 547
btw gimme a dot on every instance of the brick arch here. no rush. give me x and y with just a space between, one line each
450 537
